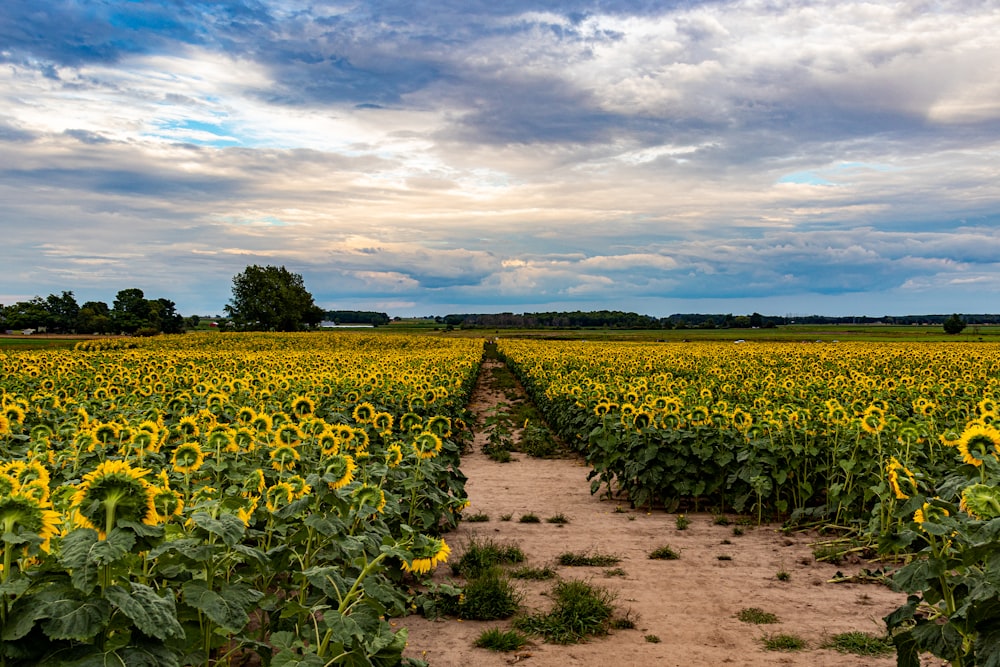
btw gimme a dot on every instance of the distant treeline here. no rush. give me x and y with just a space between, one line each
616 319
357 317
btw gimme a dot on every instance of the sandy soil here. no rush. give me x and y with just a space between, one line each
690 604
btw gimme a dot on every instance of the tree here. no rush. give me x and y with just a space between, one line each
130 311
94 317
271 298
32 314
954 324
64 311
164 318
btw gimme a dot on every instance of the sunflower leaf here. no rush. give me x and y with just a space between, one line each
227 526
69 617
229 608
75 557
154 615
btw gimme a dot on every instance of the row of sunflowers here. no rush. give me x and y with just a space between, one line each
200 498
895 444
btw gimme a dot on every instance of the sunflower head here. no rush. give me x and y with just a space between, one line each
410 421
977 442
426 552
302 406
113 491
426 445
901 479
981 501
278 496
363 412
383 421
439 425
289 434
24 515
284 457
187 458
254 483
393 455
931 513
368 499
338 471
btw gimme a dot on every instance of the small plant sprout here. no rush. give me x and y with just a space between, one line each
666 552
756 615
682 521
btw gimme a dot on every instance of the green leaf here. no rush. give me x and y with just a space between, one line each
133 655
75 557
154 615
229 608
289 658
20 620
68 617
15 586
227 526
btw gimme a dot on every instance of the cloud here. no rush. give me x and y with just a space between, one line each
571 152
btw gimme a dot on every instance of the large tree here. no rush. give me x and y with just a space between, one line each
271 298
130 311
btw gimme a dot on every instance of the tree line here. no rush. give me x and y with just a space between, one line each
130 313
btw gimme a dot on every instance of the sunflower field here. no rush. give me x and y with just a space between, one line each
825 431
200 498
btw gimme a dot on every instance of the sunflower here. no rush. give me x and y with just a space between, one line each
929 512
222 438
284 458
950 438
246 415
338 471
981 501
873 419
363 412
299 486
14 413
368 496
393 455
641 419
254 483
302 406
426 445
289 434
383 421
439 425
602 408
741 420
245 439
897 472
262 422
187 427
245 512
23 513
114 490
410 421
977 442
4 425
278 496
427 553
168 502
106 432
187 458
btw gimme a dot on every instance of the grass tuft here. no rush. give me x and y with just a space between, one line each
861 643
533 573
757 616
499 640
784 643
580 610
572 559
664 553
482 554
489 597
530 517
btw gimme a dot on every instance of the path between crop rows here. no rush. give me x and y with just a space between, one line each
690 604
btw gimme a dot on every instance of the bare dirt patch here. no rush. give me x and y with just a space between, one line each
686 610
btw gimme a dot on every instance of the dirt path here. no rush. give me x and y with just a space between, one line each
689 605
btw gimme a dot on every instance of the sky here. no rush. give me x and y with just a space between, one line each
455 156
